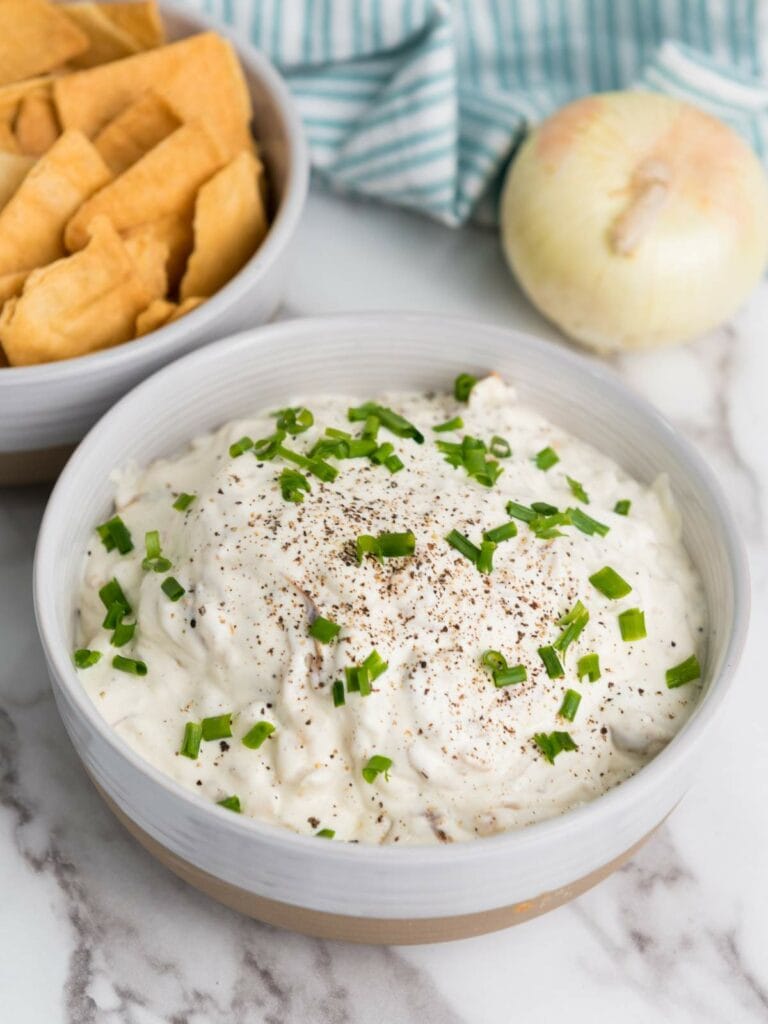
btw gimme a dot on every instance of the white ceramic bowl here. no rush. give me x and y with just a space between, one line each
373 893
45 409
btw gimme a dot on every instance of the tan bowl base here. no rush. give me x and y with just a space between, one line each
33 467
372 930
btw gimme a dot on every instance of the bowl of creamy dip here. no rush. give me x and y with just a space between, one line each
392 628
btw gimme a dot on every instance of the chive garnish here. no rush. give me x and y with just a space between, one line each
543 508
456 423
84 658
154 561
464 546
257 734
574 623
471 455
683 673
462 386
622 507
375 665
190 744
485 558
231 803
377 765
632 625
115 534
240 447
380 455
183 501
394 463
500 533
218 727
499 447
552 663
361 447
390 420
577 490
588 666
130 665
111 594
267 448
292 485
553 743
325 833
386 545
357 680
546 458
123 633
114 616
338 694
610 584
172 588
324 630
545 526
371 426
570 705
586 523
294 421
521 512
503 674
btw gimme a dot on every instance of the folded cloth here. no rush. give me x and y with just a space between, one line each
421 103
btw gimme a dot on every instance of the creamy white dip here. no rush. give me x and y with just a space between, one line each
257 569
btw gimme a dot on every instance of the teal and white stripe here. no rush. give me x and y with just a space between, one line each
421 102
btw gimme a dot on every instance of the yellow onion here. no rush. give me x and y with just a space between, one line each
634 220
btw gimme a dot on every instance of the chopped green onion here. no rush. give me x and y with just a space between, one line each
114 616
455 424
500 533
123 633
552 663
546 458
386 545
509 676
683 673
621 508
325 833
545 527
462 386
154 562
324 630
553 743
292 484
377 765
471 455
112 594
322 470
257 734
240 447
570 705
586 523
371 426
632 625
218 727
574 623
610 584
375 665
589 666
339 435
266 448
389 419
84 658
464 546
543 508
394 463
577 490
365 544
382 453
130 665
231 803
172 588
485 558
183 501
338 694
190 744
357 680
499 447
522 512
115 534
494 660
361 447
294 421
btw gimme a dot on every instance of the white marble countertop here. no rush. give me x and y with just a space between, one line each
93 930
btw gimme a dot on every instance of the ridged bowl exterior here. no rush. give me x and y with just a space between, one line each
361 355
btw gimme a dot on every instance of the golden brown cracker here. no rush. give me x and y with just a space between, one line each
135 131
107 41
35 36
150 257
176 232
36 126
11 284
14 168
162 312
140 19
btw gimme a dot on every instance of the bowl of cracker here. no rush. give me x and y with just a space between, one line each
153 173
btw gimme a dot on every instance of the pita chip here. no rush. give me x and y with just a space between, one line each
36 127
107 41
8 141
150 257
35 36
162 312
11 284
13 170
135 131
140 19
176 232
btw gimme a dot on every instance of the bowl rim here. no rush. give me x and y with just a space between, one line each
281 230
277 837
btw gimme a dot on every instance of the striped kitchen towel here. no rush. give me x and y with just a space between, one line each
422 102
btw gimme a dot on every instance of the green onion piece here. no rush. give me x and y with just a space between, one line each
291 456
394 463
123 633
240 447
494 660
521 512
621 508
382 453
375 665
115 534
632 625
365 544
322 470
154 562
112 594
130 665
361 447
338 694
339 435
114 616
267 448
257 734
84 658
570 705
172 588
471 455
231 803
500 533
577 490
183 501
586 523
499 447
455 424
574 621
390 420
377 765
397 545
543 508
294 421
325 833
464 546
546 458
324 630
357 680
552 663
218 727
681 674
589 666
553 743
610 584
190 744
509 676
485 558
462 386
545 527
371 426
292 484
